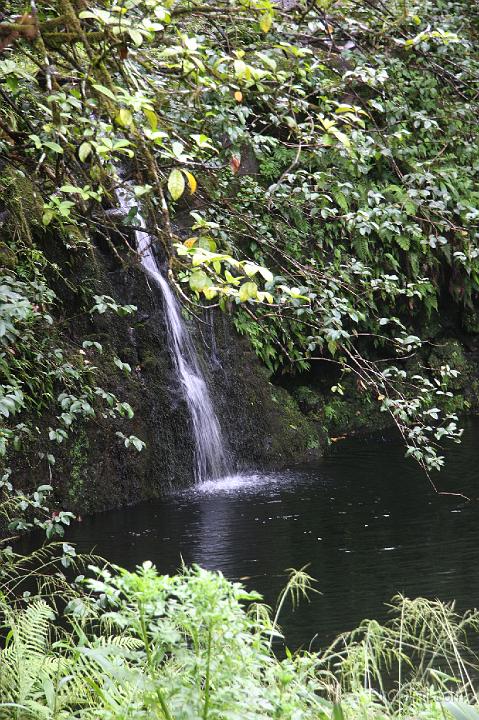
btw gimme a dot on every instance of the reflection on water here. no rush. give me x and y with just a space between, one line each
364 518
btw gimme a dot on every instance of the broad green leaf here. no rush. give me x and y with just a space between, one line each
177 148
199 280
248 291
124 118
54 146
152 118
47 217
210 293
461 711
141 190
250 269
176 184
266 274
84 151
136 36
265 297
105 91
342 137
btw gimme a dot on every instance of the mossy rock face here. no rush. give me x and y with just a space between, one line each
8 258
310 402
262 422
22 203
93 469
465 386
352 411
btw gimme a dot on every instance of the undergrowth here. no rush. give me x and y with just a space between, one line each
195 645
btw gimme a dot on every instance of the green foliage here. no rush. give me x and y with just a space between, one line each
195 645
40 372
330 149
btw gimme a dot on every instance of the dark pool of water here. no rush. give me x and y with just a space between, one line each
365 519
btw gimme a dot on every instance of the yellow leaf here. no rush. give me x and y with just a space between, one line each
210 293
238 96
192 184
190 242
266 22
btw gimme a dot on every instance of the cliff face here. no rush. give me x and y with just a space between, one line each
265 425
93 469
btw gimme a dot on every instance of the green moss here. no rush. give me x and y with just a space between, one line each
297 432
24 205
8 258
310 402
78 463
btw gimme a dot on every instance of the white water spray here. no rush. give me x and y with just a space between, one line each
210 455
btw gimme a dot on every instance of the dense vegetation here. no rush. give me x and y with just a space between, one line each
309 168
140 645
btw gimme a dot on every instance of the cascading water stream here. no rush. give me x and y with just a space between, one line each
210 454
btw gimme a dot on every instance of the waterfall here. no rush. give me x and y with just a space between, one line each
210 454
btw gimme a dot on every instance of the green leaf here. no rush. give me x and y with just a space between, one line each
84 151
124 118
248 291
47 217
105 91
210 293
266 274
136 36
177 148
250 269
55 147
176 184
342 137
199 280
338 713
461 711
152 118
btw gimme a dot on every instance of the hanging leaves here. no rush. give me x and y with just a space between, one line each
199 281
